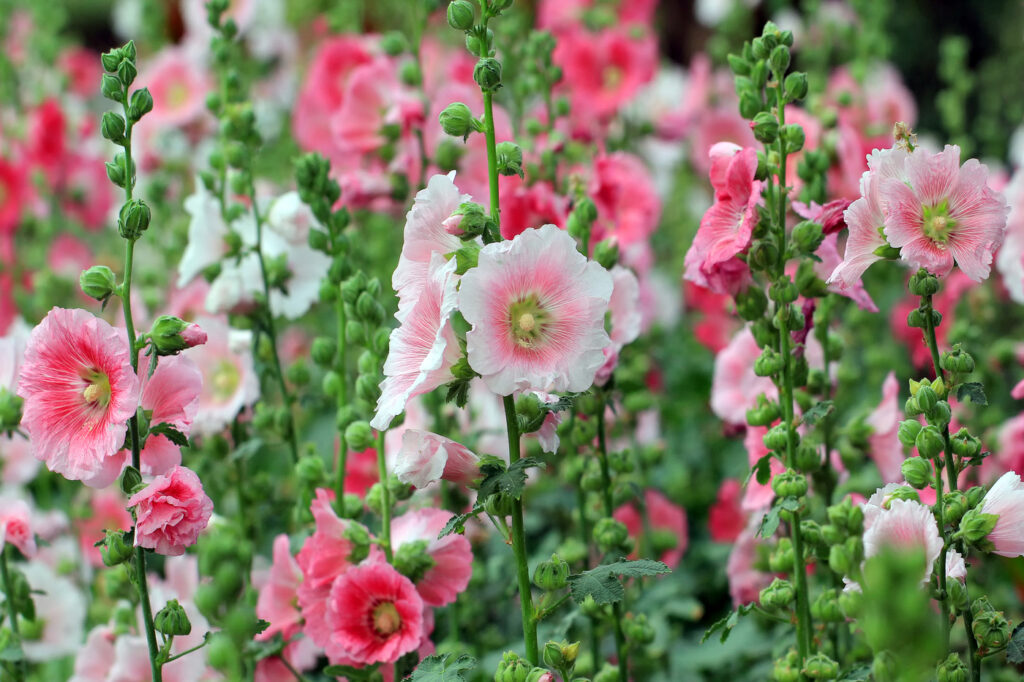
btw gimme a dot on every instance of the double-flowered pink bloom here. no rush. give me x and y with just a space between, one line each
171 512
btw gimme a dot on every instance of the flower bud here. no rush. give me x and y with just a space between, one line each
808 235
487 74
796 86
499 504
769 363
561 655
779 59
964 444
826 607
917 472
111 60
924 283
765 127
789 484
359 435
140 105
807 458
512 668
394 43
839 560
170 335
310 470
133 219
457 120
172 620
606 253
907 432
819 666
975 495
369 309
610 534
793 135
783 291
781 559
926 398
976 525
751 303
98 282
112 127
608 673
778 595
461 15
929 442
955 505
991 629
115 549
551 575
952 669
509 158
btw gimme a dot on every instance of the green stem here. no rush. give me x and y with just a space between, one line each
581 504
385 497
609 509
11 613
341 367
519 542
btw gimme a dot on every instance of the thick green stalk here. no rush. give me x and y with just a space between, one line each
22 670
519 543
609 509
341 367
385 497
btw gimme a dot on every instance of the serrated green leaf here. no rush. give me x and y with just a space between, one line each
172 434
818 412
457 524
726 623
441 668
1015 647
972 390
860 673
769 523
510 481
603 584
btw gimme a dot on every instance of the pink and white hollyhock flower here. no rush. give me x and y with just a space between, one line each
904 525
92 664
79 390
171 512
956 568
665 520
171 394
734 385
16 527
1006 499
537 308
206 233
726 518
945 213
624 305
423 347
885 448
278 599
60 608
375 615
1010 258
178 84
452 555
293 219
426 457
229 379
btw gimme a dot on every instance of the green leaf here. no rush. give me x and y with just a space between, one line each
818 412
602 582
247 449
769 523
972 390
351 673
466 258
510 481
130 479
457 524
11 652
726 624
1015 647
172 434
761 471
860 673
441 668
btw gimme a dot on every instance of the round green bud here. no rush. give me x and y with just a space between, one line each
789 483
457 120
917 472
133 219
172 620
952 669
551 575
115 549
819 666
808 235
924 283
323 351
751 303
766 127
98 282
487 74
929 442
796 86
359 436
907 432
461 15
606 253
778 595
610 534
394 43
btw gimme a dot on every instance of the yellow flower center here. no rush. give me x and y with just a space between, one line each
936 223
177 95
225 380
527 320
97 389
386 620
613 77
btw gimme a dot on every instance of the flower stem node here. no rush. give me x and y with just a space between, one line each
172 620
551 575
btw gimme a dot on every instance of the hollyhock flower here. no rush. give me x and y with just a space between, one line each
537 308
19 467
93 661
361 471
885 448
229 379
667 522
745 580
1006 499
87 194
426 457
371 95
955 566
1010 454
292 218
171 394
278 599
206 233
726 518
47 143
171 512
452 556
726 228
547 434
715 126
524 206
423 347
945 213
624 305
1010 258
904 525
734 386
108 513
15 195
79 391
375 614
555 15
178 84
16 527
628 207
60 609
82 68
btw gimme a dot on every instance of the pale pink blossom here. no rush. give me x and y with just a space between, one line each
885 448
1010 257
423 347
537 308
1006 500
904 525
628 207
171 512
371 95
452 556
108 513
734 386
16 527
946 213
956 568
426 457
624 305
79 390
229 378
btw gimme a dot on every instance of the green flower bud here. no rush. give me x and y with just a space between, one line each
915 318
487 74
572 550
964 444
140 105
98 282
851 602
769 363
606 253
783 291
839 560
561 655
766 127
976 525
393 43
352 508
778 595
127 71
638 629
608 673
448 155
929 442
310 470
955 506
738 65
957 594
819 666
759 74
751 303
924 283
796 86
991 629
115 548
907 432
781 559
512 668
172 620
111 88
457 120
509 159
499 504
551 575
789 484
776 437
413 560
133 219
170 335
323 351
298 373
975 495
779 59
359 435
952 670
112 127
368 388
808 235
369 310
917 472
826 607
926 398
111 60
807 458
610 535
461 15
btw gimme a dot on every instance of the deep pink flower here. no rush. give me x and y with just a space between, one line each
278 600
734 386
524 206
108 513
79 391
452 555
885 448
1006 499
905 524
171 512
945 213
666 520
374 614
628 207
537 308
16 527
426 457
82 68
726 518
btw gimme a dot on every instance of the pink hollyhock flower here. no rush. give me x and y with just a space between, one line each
666 521
555 15
178 85
16 528
79 391
60 609
726 518
624 306
375 614
426 457
537 308
278 600
885 448
370 96
1010 454
82 68
172 395
171 512
92 663
425 235
1006 500
628 207
361 471
452 556
715 125
945 213
423 347
956 568
904 525
47 143
734 386
745 580
229 381
1010 258
108 513
524 206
